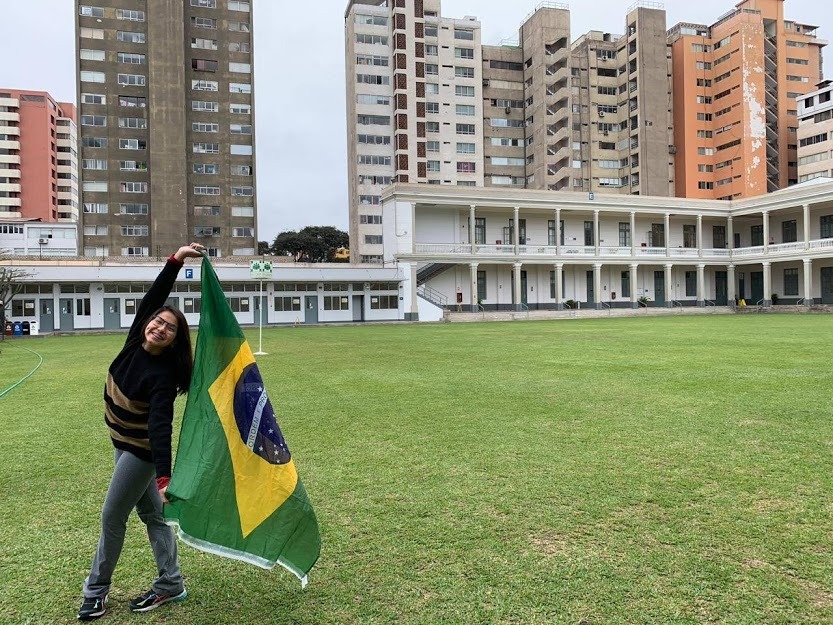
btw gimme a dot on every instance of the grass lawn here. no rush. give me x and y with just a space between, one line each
619 471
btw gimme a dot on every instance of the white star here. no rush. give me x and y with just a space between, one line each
260 448
271 431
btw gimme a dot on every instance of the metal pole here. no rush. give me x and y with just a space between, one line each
260 351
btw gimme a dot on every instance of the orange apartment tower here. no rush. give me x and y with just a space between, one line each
735 85
38 157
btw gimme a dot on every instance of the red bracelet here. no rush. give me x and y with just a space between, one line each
173 259
162 482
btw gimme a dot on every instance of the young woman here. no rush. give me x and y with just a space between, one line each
154 366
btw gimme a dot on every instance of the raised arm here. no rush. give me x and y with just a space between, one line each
161 287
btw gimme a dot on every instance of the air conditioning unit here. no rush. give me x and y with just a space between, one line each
605 133
507 110
601 113
43 241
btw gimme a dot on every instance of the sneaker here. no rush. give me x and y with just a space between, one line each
92 608
151 600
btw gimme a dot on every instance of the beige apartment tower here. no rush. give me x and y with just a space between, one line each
165 91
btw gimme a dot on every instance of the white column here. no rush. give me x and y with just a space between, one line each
634 282
596 231
731 290
766 241
515 230
558 232
516 267
701 284
473 300
699 236
667 234
808 281
669 303
472 222
730 234
597 283
633 233
767 282
414 314
806 208
559 285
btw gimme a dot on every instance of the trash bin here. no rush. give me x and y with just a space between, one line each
25 328
18 329
9 328
33 328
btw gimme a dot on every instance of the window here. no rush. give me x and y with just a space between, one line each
588 233
240 68
204 85
93 98
204 127
624 234
373 140
373 159
789 231
372 39
373 239
89 11
433 127
238 304
464 34
203 65
370 219
464 53
133 251
132 101
431 50
464 72
430 30
372 99
203 22
204 4
242 232
719 237
240 109
336 302
464 129
286 304
240 150
91 33
132 144
206 190
826 226
204 106
433 165
790 281
93 120
133 209
205 168
371 20
507 160
239 27
756 234
431 69
91 55
689 235
432 88
206 211
373 120
239 46
371 59
239 5
134 231
191 304
96 207
203 44
206 231
127 37
91 163
432 107
92 76
130 16
243 191
134 187
465 167
383 302
131 59
132 122
462 148
239 87
465 91
241 170
131 79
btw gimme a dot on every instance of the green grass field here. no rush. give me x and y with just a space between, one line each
618 471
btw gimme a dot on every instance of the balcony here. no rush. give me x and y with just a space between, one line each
9 116
10 158
9 173
9 130
9 145
9 187
9 201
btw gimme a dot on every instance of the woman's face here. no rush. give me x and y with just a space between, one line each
160 331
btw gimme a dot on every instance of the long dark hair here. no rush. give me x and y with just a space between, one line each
180 350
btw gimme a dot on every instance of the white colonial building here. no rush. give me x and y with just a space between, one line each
493 249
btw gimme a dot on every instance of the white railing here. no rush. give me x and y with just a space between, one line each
443 248
614 251
786 247
650 251
494 249
683 251
821 243
581 250
748 251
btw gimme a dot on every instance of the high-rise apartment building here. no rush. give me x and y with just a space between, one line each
815 133
166 102
427 103
38 160
735 86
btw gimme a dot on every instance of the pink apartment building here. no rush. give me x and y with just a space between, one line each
38 157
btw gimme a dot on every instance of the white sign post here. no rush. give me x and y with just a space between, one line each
261 270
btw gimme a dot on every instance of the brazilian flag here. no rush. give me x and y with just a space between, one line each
234 489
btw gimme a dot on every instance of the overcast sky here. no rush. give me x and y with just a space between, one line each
299 81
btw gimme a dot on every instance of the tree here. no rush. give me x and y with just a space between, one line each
313 244
262 247
11 283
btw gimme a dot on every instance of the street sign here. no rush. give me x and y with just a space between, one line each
260 269
189 274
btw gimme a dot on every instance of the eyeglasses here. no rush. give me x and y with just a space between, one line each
161 323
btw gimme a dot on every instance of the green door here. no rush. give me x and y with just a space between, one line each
524 299
659 288
721 283
756 285
591 293
827 285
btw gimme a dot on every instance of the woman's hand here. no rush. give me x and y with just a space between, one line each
189 251
163 495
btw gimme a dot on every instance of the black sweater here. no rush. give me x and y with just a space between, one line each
140 390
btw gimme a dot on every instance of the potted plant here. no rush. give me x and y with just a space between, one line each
774 298
643 301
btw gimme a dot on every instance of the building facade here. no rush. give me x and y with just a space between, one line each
815 133
33 237
736 85
165 90
38 157
610 251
